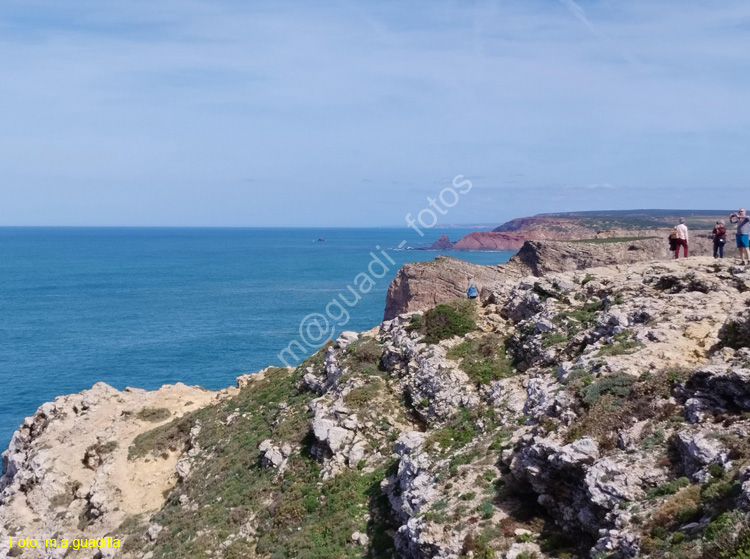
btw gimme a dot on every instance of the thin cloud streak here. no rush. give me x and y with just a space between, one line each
580 15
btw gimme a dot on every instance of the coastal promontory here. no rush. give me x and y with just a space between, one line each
582 409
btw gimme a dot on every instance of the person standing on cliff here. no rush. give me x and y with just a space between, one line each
743 231
471 291
682 239
720 238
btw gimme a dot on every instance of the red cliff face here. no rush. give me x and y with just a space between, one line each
443 243
489 240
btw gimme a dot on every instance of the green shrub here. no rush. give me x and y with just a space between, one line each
679 508
720 490
477 547
300 515
415 323
483 359
612 400
722 524
449 319
655 439
716 470
365 350
486 510
735 333
668 488
617 385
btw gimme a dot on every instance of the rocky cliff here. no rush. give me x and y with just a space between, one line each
588 225
423 284
602 413
72 469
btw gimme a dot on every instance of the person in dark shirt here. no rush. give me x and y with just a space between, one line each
719 235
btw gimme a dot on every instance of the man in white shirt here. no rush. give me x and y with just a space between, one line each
682 239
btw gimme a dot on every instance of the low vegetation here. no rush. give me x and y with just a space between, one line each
456 318
363 357
608 401
300 516
483 359
622 345
171 437
154 415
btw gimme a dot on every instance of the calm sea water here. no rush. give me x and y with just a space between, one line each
145 307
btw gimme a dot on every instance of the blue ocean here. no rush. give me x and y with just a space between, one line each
147 306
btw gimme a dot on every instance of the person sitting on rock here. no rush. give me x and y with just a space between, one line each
719 235
682 239
743 231
472 291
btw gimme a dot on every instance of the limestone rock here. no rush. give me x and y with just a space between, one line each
59 467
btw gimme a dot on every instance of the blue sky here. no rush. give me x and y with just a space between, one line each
352 113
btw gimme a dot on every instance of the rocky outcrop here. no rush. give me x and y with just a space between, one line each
421 285
591 412
67 472
443 243
542 258
588 225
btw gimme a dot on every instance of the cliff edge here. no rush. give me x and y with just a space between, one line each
570 226
597 413
420 285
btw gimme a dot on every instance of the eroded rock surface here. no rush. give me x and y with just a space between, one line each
67 472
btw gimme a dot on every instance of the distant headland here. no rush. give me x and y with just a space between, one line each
569 226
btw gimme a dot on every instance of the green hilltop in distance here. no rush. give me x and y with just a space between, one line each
570 226
626 219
